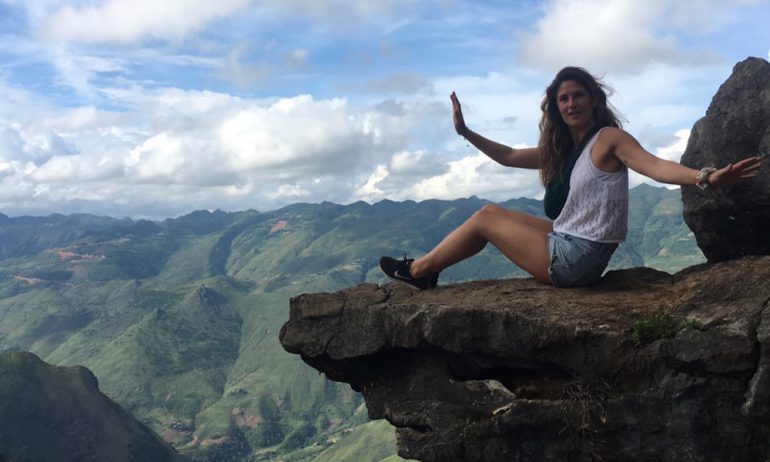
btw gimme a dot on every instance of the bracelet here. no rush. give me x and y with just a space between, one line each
702 180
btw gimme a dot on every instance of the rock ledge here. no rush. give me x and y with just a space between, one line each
644 366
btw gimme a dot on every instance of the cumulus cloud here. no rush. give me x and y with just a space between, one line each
22 143
295 137
184 146
370 191
416 164
618 36
478 175
169 151
422 176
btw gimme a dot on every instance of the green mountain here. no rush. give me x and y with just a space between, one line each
179 319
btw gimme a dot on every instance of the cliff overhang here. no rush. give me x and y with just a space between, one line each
643 366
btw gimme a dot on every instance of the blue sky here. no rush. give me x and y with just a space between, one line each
154 109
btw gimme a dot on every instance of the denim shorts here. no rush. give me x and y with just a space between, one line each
576 261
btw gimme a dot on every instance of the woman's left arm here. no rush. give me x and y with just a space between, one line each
628 150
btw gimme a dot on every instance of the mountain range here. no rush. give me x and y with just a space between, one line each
178 319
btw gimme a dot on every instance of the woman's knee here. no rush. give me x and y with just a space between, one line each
486 215
490 208
482 214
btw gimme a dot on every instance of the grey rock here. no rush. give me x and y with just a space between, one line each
732 222
518 371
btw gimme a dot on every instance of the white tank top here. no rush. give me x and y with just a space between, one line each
597 204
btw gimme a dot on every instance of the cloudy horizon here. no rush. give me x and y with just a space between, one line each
153 110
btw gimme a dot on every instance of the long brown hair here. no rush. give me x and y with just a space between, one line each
556 142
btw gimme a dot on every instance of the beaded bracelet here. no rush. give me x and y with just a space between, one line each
702 180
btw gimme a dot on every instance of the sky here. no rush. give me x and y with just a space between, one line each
154 109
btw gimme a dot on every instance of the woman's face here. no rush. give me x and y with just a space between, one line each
575 105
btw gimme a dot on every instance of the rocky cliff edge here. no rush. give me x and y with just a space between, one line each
643 366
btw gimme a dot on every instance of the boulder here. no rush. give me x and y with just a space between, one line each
643 366
732 222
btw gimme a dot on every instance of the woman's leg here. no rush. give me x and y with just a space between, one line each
520 237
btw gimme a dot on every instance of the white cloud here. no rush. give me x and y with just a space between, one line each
369 191
674 151
294 137
418 163
578 32
617 36
23 143
479 175
202 149
11 144
471 175
128 21
184 146
160 159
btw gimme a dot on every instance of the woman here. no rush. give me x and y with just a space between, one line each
576 247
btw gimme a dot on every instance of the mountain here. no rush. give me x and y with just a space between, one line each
24 236
179 319
50 413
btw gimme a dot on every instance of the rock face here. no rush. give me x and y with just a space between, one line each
50 413
644 366
736 126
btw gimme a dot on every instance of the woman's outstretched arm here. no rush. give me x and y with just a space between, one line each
628 151
500 153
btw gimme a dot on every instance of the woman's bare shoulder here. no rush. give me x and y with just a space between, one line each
612 132
612 137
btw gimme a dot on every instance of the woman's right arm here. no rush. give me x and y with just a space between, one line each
500 153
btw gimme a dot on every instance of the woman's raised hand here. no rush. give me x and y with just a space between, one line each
739 171
457 116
